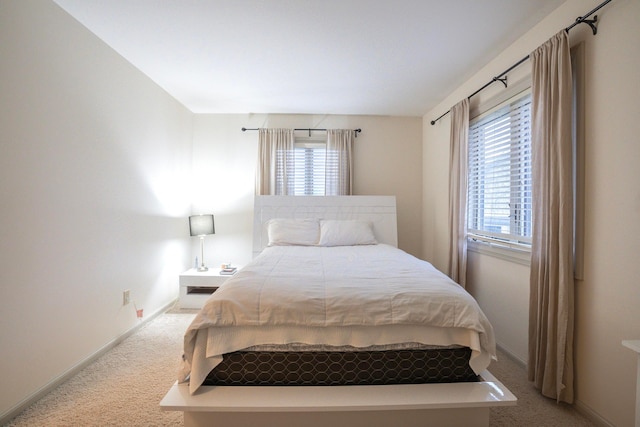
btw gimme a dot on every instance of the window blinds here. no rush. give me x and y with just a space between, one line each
302 171
309 171
499 174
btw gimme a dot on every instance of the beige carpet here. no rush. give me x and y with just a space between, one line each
533 409
124 387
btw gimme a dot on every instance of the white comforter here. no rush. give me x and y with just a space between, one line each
359 296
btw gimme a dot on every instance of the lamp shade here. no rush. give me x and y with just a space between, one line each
201 225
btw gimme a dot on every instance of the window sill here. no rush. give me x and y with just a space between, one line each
508 254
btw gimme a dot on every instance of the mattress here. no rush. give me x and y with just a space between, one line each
333 368
359 296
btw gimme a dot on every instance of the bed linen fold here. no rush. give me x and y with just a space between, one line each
347 295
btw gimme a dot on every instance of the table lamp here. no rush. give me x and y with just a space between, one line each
201 225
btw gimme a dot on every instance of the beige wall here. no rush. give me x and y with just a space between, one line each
94 160
608 299
387 161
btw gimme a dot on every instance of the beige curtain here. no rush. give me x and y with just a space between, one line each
551 304
339 165
275 157
458 161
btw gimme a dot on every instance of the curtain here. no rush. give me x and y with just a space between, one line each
339 165
275 158
458 160
551 303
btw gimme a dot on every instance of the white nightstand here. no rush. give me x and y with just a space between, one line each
196 286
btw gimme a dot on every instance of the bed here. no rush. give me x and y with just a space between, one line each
332 323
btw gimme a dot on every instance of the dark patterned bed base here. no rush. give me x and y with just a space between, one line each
343 368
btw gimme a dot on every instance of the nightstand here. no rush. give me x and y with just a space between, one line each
196 286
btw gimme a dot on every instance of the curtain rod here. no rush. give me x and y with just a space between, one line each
357 131
499 78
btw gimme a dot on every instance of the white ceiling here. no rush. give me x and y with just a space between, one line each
374 57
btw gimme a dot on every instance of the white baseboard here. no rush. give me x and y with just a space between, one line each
512 356
39 394
589 413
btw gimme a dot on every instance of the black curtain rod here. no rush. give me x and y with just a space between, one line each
357 131
503 80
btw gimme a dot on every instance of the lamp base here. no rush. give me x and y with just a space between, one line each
203 268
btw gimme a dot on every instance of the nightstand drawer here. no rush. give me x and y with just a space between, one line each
195 296
197 286
200 290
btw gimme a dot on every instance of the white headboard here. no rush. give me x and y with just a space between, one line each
380 210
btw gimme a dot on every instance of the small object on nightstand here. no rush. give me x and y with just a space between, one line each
227 271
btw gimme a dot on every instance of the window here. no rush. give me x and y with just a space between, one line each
499 175
309 168
305 169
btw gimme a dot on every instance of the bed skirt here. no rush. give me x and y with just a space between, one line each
313 368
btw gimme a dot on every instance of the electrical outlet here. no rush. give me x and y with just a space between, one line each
126 297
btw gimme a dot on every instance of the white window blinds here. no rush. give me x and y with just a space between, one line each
499 173
302 170
309 169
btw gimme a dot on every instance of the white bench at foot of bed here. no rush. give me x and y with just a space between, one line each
451 404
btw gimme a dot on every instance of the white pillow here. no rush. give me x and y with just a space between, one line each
284 231
346 233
